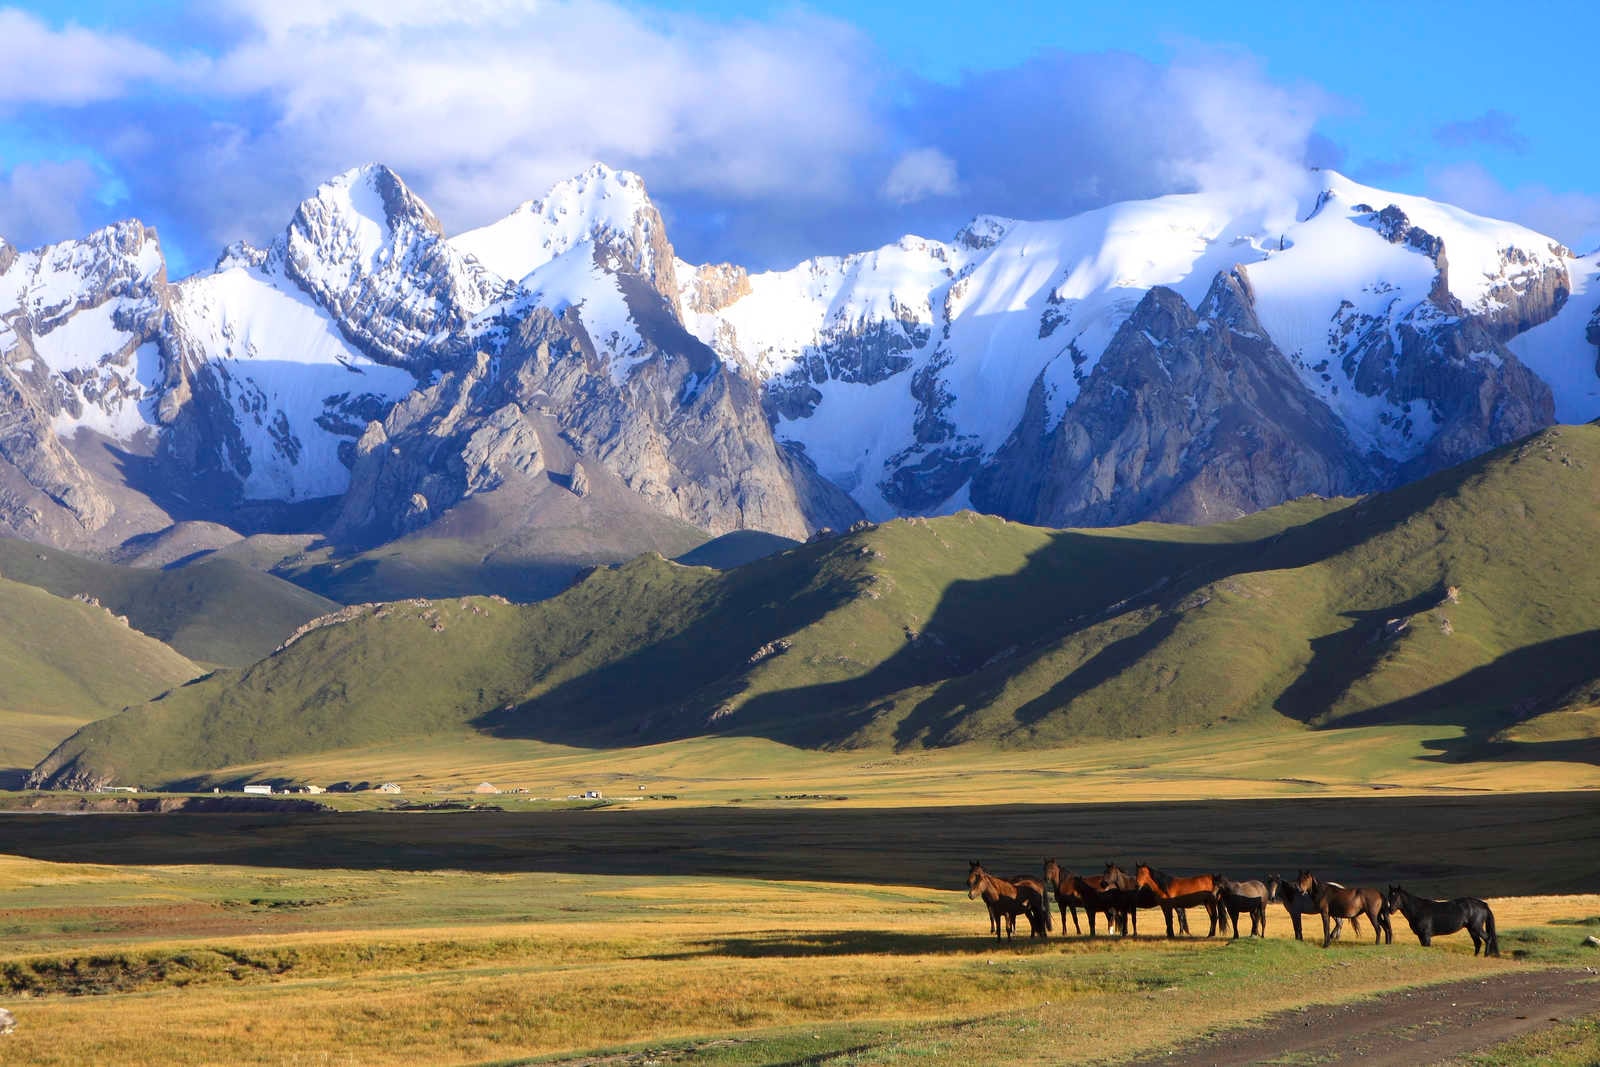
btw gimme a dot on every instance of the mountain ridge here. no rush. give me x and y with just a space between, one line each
370 365
1424 604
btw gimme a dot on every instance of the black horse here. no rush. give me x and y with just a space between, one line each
1428 917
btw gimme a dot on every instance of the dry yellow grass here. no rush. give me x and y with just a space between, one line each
1221 763
384 967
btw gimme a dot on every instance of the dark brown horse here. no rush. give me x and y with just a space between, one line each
1331 900
1250 898
1030 884
1428 917
1068 896
1129 896
1093 893
1173 892
1297 904
1006 899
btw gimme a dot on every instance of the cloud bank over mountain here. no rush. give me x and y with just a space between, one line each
767 140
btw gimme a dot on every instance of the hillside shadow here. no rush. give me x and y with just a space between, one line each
977 630
1341 658
1498 695
1437 841
214 496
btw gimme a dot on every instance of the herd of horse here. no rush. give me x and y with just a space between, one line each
1119 897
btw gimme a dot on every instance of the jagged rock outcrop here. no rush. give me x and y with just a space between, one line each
78 321
372 253
1187 417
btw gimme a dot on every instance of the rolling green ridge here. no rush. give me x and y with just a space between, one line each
1469 598
65 662
213 611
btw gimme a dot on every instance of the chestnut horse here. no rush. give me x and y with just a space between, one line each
1331 900
1428 917
1174 892
1006 899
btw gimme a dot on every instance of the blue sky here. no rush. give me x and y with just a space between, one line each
771 131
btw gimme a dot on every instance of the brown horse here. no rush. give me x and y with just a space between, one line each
1250 898
1068 897
1173 892
1006 899
1093 894
1333 901
1297 904
1028 883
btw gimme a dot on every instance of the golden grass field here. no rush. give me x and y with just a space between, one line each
1218 763
806 906
206 964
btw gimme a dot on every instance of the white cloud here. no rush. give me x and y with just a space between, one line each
1250 136
42 202
1573 218
920 174
491 103
71 65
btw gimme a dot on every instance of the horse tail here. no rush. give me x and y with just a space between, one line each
1488 928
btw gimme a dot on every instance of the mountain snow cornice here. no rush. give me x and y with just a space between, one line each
1185 358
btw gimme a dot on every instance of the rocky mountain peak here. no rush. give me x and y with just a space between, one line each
370 251
602 207
984 231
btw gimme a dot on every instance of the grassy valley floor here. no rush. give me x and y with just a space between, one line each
1244 761
227 964
718 935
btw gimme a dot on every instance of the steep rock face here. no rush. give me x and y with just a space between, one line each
1454 388
78 357
678 429
373 254
1186 417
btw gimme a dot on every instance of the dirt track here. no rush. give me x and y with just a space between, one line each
1410 1028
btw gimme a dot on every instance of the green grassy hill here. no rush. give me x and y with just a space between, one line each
66 662
213 611
1469 598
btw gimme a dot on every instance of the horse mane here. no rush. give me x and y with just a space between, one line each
1161 878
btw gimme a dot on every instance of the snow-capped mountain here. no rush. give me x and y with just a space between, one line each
905 372
1187 357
